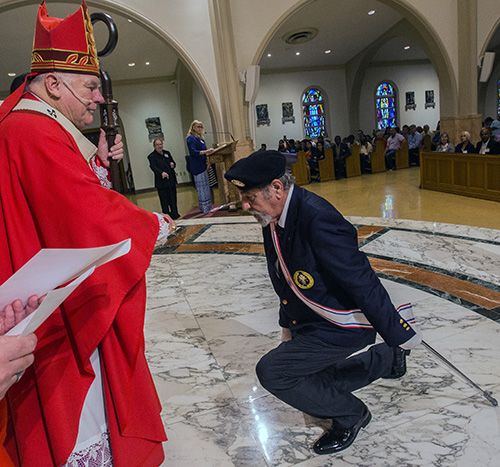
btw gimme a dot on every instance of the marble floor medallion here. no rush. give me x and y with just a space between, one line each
212 313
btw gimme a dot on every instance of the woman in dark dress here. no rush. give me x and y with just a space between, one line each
465 146
162 164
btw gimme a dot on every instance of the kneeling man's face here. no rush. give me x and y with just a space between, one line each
262 205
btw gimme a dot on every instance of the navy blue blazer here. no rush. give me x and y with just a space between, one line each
493 147
197 161
318 240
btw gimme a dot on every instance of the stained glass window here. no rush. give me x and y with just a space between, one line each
313 106
385 103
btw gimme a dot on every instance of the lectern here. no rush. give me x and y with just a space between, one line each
223 158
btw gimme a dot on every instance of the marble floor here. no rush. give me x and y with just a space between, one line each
212 314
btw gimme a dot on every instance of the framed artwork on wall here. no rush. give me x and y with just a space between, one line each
287 109
410 101
262 115
429 99
153 125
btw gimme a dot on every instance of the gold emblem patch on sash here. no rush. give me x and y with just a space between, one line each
303 279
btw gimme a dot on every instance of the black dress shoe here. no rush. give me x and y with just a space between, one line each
398 364
337 439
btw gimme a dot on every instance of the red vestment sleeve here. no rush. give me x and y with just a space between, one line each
4 457
50 198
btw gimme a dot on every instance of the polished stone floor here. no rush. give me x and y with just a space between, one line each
212 314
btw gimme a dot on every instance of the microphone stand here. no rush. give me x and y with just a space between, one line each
220 133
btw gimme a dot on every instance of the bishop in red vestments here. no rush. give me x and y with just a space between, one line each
51 198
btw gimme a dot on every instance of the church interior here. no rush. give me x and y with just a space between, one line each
211 310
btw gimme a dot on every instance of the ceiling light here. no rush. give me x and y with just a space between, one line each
297 53
328 51
131 64
371 12
148 63
11 74
268 55
129 20
407 47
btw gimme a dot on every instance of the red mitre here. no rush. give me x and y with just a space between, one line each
66 45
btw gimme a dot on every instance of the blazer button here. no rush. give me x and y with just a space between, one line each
284 302
294 322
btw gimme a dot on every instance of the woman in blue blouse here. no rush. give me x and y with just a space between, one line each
198 153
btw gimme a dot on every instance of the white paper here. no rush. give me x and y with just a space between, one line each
49 269
49 304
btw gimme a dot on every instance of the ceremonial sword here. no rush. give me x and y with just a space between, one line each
450 365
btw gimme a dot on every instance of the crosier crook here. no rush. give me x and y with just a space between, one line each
109 109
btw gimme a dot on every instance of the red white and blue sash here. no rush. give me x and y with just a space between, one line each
345 318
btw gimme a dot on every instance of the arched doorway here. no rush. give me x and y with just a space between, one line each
404 21
164 83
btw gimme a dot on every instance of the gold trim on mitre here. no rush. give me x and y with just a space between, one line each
67 46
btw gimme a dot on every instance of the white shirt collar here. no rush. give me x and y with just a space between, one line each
282 219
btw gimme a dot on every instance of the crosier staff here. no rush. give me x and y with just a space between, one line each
109 109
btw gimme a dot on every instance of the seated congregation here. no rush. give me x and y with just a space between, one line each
321 159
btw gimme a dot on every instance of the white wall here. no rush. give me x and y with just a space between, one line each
139 102
200 112
252 21
288 87
488 17
491 103
186 24
417 78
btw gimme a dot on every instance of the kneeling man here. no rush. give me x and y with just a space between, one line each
331 303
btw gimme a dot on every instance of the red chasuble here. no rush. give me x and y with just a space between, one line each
50 198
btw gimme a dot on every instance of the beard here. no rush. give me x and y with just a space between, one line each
262 218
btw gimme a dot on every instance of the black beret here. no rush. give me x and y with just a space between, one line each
257 170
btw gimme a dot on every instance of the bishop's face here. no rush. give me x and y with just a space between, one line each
79 98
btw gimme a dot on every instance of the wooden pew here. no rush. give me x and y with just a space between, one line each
300 170
402 161
352 163
426 144
474 175
326 166
378 158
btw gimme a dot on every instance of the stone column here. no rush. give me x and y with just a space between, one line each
467 118
234 116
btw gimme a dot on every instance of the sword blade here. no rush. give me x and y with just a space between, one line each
218 208
450 365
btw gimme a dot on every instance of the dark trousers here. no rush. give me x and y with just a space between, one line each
317 377
168 200
414 156
340 170
390 159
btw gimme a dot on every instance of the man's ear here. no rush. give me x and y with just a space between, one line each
277 188
53 85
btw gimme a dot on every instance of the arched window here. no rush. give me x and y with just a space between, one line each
385 103
313 110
